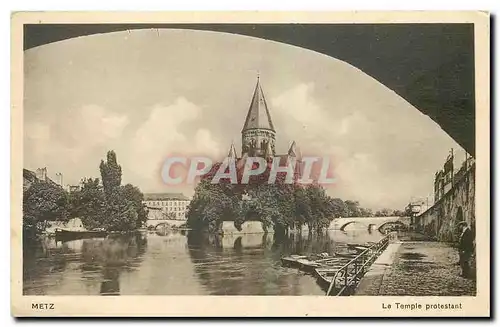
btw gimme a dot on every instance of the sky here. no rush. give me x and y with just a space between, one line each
149 94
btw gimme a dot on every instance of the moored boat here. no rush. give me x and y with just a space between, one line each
309 263
324 277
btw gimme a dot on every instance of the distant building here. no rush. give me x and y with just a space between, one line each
40 175
73 188
166 205
445 178
418 206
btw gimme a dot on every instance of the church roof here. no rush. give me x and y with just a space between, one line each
258 114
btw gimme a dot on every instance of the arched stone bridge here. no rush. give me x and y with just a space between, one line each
369 223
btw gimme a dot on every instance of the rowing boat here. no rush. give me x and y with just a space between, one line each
324 277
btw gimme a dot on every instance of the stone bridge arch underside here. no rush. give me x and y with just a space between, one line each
429 65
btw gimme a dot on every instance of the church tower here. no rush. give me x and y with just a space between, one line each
258 135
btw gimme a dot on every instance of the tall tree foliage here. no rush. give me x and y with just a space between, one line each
111 173
280 205
43 202
88 203
134 195
109 206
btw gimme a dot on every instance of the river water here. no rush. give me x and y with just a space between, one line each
179 263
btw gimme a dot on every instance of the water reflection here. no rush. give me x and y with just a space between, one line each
167 262
87 266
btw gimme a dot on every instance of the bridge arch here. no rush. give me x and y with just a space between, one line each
342 228
453 48
160 224
389 223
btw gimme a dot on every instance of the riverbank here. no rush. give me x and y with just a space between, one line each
416 268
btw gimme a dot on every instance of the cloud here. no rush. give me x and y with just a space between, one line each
300 117
352 139
162 135
145 105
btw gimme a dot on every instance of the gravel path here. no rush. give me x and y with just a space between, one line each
426 269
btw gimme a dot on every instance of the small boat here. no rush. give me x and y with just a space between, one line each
324 277
348 255
62 234
291 261
308 265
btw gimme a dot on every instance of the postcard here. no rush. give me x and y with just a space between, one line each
253 164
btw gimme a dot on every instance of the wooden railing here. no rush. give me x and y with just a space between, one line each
348 276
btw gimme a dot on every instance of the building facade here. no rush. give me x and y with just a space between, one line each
38 176
171 206
445 178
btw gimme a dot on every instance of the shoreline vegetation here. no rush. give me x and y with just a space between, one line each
101 204
106 205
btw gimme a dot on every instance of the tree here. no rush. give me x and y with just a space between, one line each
281 205
398 213
366 212
339 208
352 208
134 195
210 206
321 212
111 173
303 212
120 214
383 213
109 206
43 202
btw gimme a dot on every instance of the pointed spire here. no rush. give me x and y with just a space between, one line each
232 152
258 114
292 152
